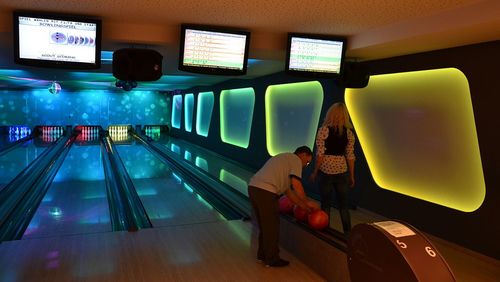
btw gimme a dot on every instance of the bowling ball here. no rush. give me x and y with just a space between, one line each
300 213
286 206
318 219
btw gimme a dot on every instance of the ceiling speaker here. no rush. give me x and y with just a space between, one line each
131 64
354 75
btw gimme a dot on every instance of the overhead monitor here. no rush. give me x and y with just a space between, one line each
58 41
213 50
315 55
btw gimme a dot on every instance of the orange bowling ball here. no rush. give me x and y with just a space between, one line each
318 219
286 206
300 213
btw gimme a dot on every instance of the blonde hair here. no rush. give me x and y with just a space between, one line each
337 117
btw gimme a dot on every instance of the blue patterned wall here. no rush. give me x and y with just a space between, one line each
96 107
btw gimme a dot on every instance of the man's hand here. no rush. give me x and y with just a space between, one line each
313 205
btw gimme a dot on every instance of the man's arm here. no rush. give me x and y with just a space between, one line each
297 194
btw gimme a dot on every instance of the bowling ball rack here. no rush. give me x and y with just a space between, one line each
329 235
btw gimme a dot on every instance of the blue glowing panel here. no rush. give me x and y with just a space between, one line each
13 108
188 112
236 113
176 111
37 107
204 114
136 107
75 109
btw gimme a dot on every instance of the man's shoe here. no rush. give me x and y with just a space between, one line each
278 263
260 259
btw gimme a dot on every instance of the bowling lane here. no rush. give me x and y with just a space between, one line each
14 161
237 176
234 175
76 202
168 199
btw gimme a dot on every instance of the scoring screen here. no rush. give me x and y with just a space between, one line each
214 49
315 55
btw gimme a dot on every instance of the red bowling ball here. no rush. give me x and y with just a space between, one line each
286 206
300 213
318 219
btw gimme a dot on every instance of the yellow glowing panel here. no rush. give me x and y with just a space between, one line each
418 134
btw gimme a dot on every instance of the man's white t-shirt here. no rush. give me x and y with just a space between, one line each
275 176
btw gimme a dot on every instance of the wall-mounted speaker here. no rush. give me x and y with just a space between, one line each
354 75
131 64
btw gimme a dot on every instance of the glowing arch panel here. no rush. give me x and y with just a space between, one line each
292 115
188 112
419 137
236 113
204 112
176 111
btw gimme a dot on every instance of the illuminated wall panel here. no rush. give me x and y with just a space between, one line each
236 113
292 115
204 114
176 111
37 107
188 112
418 134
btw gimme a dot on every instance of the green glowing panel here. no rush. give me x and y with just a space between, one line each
292 115
188 112
418 134
176 111
204 115
234 181
236 113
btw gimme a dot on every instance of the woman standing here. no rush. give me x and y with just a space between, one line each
335 161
